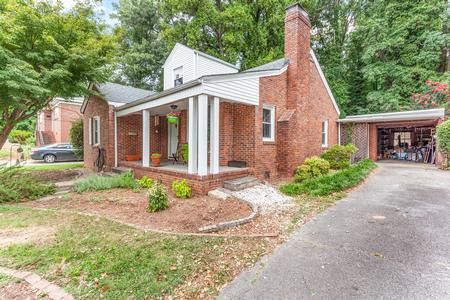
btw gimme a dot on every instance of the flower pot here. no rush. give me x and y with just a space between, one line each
132 157
172 119
156 160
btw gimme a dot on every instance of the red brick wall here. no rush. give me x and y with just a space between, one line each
373 141
226 134
129 134
98 107
244 133
69 113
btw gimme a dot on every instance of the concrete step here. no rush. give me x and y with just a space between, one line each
119 170
240 183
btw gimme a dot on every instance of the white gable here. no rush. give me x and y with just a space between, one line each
192 64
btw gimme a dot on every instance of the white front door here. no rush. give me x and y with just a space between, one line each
173 138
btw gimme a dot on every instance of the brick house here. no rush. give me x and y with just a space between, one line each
263 121
53 123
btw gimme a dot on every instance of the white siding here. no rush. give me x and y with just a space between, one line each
182 56
206 66
243 90
194 65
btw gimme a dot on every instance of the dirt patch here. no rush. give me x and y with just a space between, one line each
19 290
183 215
11 236
56 175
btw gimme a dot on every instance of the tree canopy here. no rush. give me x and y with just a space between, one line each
46 52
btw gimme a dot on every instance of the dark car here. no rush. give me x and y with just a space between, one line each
54 152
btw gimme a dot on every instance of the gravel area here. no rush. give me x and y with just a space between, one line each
266 197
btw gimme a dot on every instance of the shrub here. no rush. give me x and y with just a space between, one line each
443 141
16 184
157 197
181 189
312 167
21 137
76 137
332 183
145 182
98 183
339 156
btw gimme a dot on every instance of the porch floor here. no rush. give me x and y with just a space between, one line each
168 165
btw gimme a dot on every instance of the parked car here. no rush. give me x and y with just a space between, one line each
54 152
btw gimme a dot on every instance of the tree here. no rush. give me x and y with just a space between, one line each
402 44
246 32
76 137
46 52
141 49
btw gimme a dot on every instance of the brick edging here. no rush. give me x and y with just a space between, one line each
233 223
37 282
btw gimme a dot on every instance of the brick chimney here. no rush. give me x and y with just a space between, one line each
297 35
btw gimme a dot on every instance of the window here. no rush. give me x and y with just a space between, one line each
402 139
94 131
268 123
325 133
178 76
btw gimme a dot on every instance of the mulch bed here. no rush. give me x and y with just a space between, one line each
56 175
183 215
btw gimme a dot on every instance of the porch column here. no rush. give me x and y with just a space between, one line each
202 135
214 135
192 135
146 138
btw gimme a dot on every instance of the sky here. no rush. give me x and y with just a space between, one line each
104 9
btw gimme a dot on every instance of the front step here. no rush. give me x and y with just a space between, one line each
240 183
120 170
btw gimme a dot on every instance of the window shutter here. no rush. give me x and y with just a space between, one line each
98 130
90 130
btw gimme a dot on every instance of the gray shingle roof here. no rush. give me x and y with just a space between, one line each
114 92
273 65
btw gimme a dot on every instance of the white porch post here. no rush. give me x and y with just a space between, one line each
192 135
214 135
202 135
115 140
146 138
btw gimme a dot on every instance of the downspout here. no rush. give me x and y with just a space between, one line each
115 140
339 133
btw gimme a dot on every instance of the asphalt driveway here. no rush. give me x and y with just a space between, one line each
390 239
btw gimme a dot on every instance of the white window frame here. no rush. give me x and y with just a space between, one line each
272 123
324 133
94 137
175 70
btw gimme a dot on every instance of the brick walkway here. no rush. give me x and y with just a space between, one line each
52 290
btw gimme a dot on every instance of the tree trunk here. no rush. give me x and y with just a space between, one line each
4 132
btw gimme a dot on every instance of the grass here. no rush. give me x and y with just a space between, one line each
4 154
5 279
93 258
53 167
99 183
332 183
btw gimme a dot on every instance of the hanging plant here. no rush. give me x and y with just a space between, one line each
172 117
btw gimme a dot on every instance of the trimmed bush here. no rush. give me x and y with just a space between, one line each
312 167
181 189
16 184
339 156
145 182
99 183
21 137
76 137
157 197
332 183
443 141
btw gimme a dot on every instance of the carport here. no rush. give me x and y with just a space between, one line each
407 135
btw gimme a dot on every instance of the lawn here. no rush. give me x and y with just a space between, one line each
93 258
53 167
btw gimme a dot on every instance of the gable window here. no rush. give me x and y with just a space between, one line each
268 123
178 76
325 133
94 131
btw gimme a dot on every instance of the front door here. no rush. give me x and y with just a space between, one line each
173 138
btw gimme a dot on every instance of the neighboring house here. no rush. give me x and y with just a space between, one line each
263 122
53 123
399 135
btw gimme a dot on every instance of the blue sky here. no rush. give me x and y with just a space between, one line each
104 9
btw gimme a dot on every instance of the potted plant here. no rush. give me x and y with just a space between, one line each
156 159
172 117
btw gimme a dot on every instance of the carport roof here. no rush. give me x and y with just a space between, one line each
413 115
